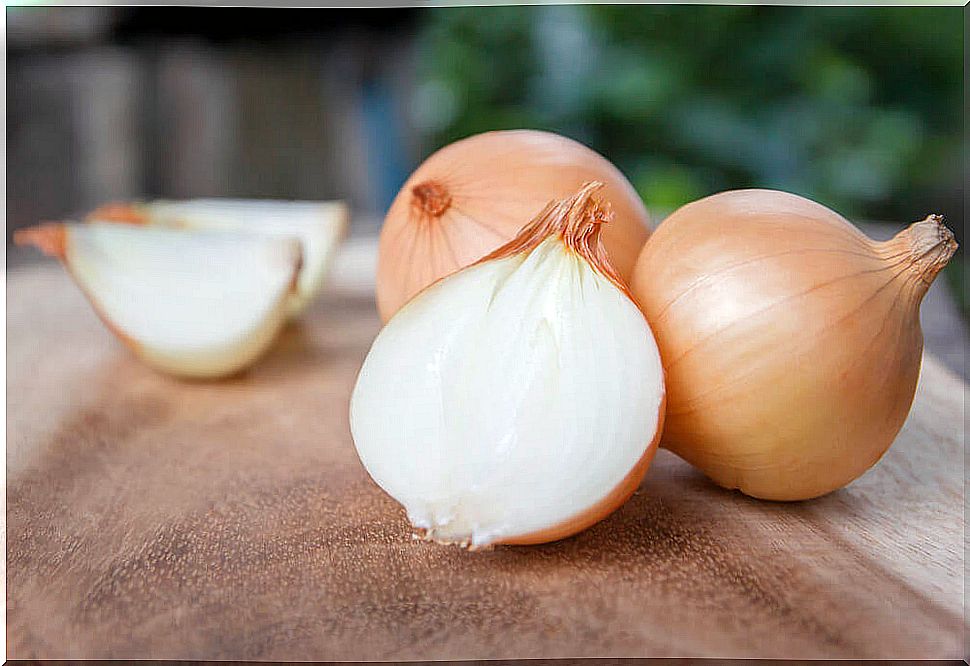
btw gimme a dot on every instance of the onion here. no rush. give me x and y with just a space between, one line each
791 342
474 195
320 226
525 392
194 304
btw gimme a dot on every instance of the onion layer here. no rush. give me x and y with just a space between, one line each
474 195
525 392
791 342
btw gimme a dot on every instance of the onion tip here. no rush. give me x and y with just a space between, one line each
578 220
118 211
932 245
431 198
48 237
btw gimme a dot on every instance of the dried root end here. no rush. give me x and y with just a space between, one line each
428 534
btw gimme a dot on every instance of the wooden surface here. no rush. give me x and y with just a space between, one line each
152 518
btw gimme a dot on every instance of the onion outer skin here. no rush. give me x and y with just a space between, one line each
791 342
474 195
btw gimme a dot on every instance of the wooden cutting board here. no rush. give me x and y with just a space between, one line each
151 518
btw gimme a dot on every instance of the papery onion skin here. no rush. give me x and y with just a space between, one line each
578 221
474 195
791 341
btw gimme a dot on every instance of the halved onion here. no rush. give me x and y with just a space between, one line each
189 303
519 400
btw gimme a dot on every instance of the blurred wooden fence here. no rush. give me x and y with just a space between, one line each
91 120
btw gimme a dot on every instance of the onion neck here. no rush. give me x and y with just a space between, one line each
431 198
578 221
118 212
928 245
49 237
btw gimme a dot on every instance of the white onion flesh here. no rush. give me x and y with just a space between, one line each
320 225
190 303
509 397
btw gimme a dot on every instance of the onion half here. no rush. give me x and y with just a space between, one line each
192 304
475 195
791 342
518 400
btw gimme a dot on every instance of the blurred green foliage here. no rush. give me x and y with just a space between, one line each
858 108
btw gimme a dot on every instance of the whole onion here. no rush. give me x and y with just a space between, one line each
474 195
791 342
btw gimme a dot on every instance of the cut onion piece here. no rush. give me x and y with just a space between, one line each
518 400
189 303
320 226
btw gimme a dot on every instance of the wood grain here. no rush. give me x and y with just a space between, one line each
150 518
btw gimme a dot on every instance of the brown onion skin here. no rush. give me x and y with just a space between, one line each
790 341
474 195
